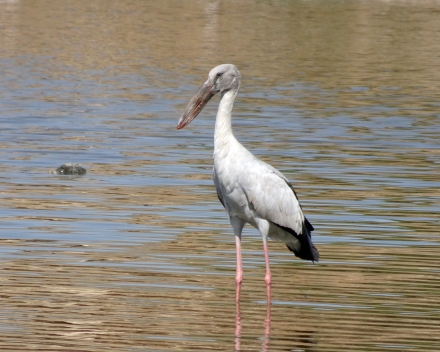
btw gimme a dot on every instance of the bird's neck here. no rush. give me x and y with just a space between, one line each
223 130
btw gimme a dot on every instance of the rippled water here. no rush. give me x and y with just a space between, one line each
137 255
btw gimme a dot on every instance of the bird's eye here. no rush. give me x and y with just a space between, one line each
219 74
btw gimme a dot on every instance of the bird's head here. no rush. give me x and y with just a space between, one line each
220 80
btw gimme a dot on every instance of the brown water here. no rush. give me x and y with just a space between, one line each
137 255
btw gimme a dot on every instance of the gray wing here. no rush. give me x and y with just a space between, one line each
275 200
272 196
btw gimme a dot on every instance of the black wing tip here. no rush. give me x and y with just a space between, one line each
306 249
305 253
309 226
315 255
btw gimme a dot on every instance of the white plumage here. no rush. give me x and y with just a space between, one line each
251 190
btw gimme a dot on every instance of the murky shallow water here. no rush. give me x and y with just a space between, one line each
137 255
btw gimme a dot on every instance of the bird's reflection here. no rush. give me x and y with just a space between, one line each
265 345
300 339
237 327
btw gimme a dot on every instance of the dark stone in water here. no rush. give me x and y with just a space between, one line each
71 169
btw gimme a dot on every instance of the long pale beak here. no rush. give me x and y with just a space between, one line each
196 104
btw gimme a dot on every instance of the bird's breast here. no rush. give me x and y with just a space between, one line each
230 189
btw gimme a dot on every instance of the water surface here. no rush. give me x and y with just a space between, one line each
137 255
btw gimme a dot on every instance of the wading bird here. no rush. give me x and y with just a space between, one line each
250 190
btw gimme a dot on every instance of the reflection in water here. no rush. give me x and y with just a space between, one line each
237 325
136 255
266 337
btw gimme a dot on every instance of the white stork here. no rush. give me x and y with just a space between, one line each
251 190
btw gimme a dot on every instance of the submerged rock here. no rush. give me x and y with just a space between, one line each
70 169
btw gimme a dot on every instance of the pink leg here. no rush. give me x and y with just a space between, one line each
239 274
268 277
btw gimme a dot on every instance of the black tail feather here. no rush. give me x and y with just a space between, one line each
309 226
305 249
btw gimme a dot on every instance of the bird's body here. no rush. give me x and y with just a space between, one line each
251 190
